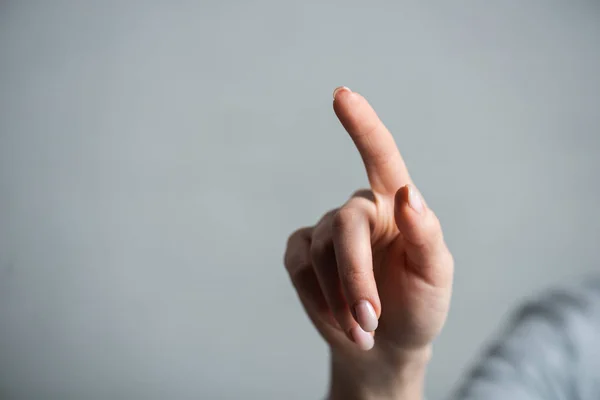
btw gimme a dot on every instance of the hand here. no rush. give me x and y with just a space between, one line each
374 274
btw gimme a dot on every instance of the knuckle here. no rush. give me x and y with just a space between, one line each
432 231
296 261
321 251
300 275
427 237
365 194
343 219
368 131
327 216
435 229
296 252
297 235
442 267
380 158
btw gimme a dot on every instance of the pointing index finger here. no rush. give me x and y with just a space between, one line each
385 168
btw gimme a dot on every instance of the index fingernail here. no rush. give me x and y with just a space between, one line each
340 88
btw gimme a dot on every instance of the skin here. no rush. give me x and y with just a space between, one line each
374 275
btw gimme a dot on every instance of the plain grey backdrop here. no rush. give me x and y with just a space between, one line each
154 157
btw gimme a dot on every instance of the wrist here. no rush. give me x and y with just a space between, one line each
379 374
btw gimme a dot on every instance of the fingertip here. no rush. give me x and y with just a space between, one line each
339 90
364 340
400 203
410 196
401 196
411 215
346 105
376 145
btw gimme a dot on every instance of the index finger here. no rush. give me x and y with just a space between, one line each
385 168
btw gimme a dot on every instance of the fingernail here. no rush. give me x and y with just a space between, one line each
364 340
340 88
415 201
366 316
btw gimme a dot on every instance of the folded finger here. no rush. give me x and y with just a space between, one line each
325 265
352 245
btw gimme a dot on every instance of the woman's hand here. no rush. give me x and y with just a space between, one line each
374 275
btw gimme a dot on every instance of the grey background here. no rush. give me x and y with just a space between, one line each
154 156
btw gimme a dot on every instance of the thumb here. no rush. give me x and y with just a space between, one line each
422 235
